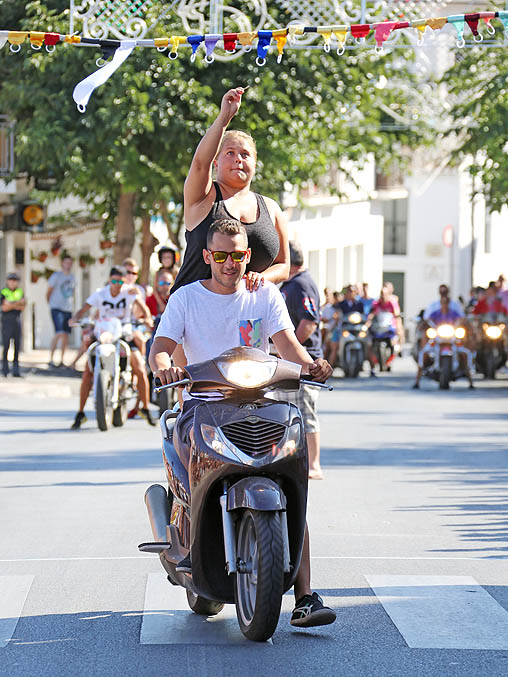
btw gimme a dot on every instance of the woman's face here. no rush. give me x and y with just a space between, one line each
236 162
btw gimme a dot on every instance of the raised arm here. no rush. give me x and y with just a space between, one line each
198 183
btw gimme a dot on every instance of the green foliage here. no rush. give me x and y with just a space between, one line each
478 86
311 113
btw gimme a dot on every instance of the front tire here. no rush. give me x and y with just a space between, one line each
103 411
203 606
445 373
120 415
258 594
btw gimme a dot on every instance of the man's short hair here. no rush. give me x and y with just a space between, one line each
66 256
229 227
117 270
129 262
295 254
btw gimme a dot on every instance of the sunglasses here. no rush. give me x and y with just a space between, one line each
222 257
131 272
116 281
164 283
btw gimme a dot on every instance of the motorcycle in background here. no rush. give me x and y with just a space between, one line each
491 344
246 477
353 344
109 360
383 335
445 358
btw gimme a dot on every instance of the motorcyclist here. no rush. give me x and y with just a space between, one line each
111 301
349 304
213 315
446 314
490 302
384 304
444 291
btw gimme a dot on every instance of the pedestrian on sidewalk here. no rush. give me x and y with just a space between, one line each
12 305
60 296
302 300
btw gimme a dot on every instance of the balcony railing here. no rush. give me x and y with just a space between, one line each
6 146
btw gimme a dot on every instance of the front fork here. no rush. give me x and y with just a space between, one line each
229 531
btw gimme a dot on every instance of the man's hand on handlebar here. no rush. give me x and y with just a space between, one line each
171 375
320 370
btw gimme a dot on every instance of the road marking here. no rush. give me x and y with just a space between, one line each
13 594
167 618
442 612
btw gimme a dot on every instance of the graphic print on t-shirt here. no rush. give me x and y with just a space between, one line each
309 305
250 333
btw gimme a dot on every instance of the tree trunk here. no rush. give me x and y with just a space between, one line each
173 236
125 232
148 243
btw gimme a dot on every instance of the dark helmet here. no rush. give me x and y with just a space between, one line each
165 249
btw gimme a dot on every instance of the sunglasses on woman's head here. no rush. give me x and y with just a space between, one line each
116 281
221 257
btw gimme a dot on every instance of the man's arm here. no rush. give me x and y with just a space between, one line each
290 349
160 360
147 315
305 330
49 291
79 314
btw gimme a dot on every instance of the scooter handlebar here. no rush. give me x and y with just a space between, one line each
159 387
316 384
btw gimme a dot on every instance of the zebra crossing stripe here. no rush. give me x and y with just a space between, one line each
442 612
167 618
13 594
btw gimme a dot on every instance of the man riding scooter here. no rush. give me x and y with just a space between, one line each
112 301
217 314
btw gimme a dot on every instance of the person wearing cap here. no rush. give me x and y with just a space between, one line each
12 304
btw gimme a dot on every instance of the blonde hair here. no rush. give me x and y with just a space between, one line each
238 134
129 262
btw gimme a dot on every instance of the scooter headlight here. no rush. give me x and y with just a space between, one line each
106 337
362 334
211 437
354 318
446 331
293 439
493 331
431 333
345 333
460 332
248 373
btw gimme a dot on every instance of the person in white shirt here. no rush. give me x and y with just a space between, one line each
112 301
212 315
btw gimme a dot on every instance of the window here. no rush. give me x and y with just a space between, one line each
395 226
6 146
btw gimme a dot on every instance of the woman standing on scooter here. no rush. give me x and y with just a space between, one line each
233 155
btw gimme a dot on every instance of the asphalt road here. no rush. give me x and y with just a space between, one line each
409 538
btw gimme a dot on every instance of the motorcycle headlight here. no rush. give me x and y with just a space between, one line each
345 333
212 438
106 337
493 331
460 332
354 318
431 333
293 439
446 331
247 373
362 334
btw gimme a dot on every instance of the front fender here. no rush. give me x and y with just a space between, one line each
257 493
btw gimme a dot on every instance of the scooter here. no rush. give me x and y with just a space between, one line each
246 479
491 350
352 347
445 358
383 335
109 360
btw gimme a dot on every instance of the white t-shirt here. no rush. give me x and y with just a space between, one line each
120 306
208 324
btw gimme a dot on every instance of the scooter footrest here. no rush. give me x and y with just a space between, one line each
156 547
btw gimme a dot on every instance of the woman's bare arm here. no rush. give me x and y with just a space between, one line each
198 183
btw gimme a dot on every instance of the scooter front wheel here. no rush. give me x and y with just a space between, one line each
258 591
203 606
103 411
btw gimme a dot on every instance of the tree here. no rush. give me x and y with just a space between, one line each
479 125
130 152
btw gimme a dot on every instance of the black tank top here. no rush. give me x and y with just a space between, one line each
262 234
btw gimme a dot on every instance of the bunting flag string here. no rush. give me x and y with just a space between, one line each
283 38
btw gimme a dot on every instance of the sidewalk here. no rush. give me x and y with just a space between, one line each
37 361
